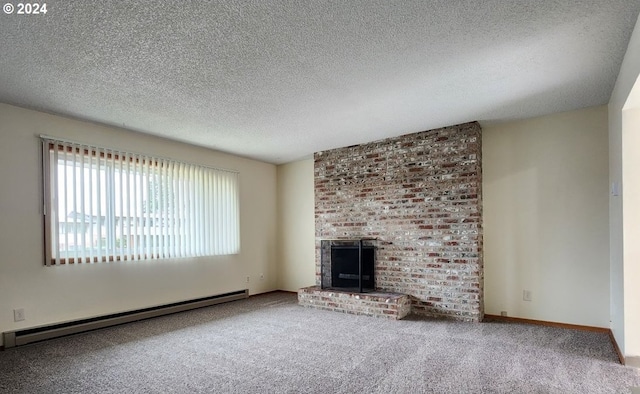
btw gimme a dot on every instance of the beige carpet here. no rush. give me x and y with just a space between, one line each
269 344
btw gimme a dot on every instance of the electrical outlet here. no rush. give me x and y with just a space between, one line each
503 313
526 295
261 276
18 314
247 279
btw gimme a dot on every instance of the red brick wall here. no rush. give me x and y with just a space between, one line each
420 195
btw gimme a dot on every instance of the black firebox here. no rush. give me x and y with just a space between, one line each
351 266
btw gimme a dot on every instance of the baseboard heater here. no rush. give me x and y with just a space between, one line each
36 334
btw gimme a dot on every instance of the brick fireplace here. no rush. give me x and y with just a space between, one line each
420 196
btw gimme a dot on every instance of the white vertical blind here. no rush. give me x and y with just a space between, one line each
108 205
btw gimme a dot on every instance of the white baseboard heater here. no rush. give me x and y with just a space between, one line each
36 334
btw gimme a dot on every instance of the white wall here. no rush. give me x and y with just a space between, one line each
624 287
631 231
545 193
296 225
61 293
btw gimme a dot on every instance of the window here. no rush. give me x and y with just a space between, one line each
108 205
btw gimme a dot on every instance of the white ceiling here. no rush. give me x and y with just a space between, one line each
279 80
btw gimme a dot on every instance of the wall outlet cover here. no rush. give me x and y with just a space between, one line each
18 315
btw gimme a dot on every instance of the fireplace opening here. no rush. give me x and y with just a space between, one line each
350 266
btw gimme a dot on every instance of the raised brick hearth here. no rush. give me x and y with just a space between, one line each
420 196
377 304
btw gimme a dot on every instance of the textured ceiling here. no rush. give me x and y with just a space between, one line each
279 80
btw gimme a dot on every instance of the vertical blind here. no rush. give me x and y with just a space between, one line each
103 204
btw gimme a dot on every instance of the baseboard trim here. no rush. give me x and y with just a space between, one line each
616 348
274 292
288 292
509 319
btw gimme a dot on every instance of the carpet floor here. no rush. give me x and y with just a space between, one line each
269 344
